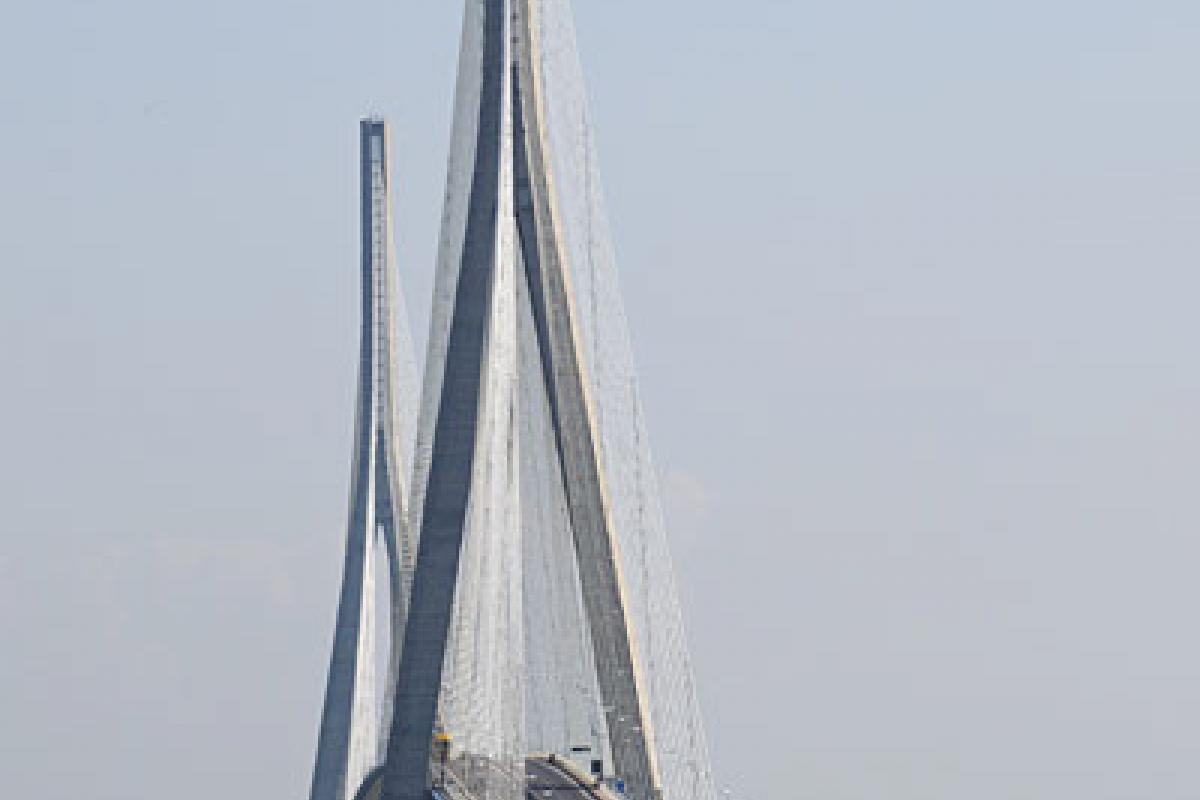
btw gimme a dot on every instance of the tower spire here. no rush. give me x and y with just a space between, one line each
349 744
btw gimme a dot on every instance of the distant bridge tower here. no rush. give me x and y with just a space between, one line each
349 744
542 616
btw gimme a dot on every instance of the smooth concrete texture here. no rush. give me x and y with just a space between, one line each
468 375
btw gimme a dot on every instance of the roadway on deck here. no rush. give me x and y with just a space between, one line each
544 781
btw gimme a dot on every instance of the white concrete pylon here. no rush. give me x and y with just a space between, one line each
544 611
349 742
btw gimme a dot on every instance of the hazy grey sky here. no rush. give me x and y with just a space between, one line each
913 290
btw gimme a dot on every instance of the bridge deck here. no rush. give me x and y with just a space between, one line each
546 778
547 781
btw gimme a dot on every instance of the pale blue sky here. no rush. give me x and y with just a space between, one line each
913 291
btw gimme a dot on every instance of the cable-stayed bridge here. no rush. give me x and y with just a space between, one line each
535 636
